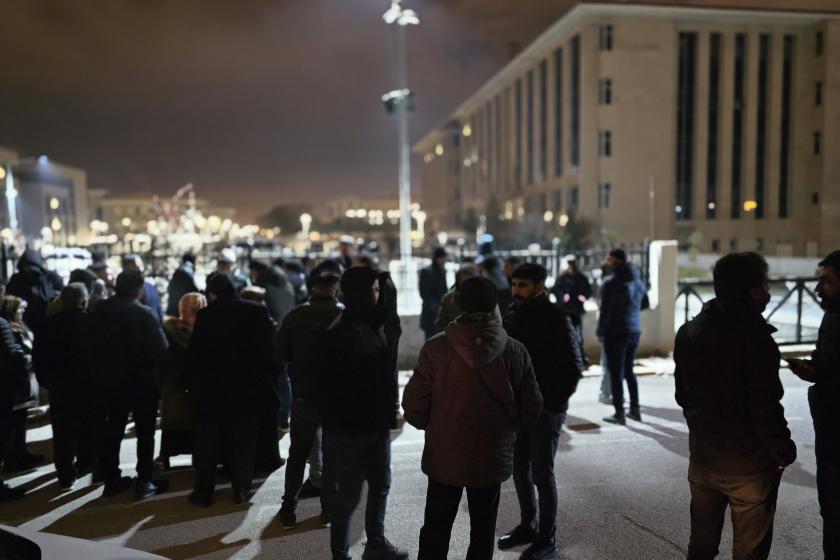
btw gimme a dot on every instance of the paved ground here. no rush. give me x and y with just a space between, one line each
623 495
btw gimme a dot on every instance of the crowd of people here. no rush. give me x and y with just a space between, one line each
313 350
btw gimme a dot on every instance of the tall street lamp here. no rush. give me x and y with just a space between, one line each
400 99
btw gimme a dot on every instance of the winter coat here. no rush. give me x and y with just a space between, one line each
240 279
13 370
182 283
391 326
151 299
59 356
727 383
569 289
354 367
230 358
177 405
279 295
824 395
622 297
39 287
124 344
552 342
472 389
432 289
300 341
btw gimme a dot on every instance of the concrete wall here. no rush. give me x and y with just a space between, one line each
779 266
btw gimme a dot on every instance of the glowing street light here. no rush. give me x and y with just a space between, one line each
305 223
11 193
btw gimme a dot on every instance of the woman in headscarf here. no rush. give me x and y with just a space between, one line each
177 409
12 309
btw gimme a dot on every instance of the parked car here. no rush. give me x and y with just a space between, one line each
22 544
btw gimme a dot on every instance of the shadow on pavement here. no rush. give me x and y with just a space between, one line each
199 548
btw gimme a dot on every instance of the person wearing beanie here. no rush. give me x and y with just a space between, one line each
182 283
432 290
473 388
357 414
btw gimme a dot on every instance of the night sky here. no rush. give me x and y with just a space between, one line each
256 102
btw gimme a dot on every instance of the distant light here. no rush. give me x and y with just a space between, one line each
54 203
711 206
56 224
548 216
563 220
43 160
2 173
678 209
428 158
361 213
750 205
466 131
439 150
467 162
126 222
350 214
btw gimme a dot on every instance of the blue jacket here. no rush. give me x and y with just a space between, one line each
621 302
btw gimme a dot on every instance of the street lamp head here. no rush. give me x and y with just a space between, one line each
396 14
43 160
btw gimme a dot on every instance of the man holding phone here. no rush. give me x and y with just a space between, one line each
823 370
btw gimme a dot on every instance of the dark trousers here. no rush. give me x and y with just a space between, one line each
620 351
284 391
142 403
752 503
441 508
349 460
228 438
305 435
533 469
78 423
827 448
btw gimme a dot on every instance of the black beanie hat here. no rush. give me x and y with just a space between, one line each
356 283
477 295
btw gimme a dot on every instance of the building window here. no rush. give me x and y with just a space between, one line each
497 113
517 118
738 123
815 198
573 199
713 126
605 37
558 112
761 123
686 85
784 149
817 143
557 203
605 91
529 126
715 245
575 101
818 94
604 195
604 143
544 120
818 43
733 245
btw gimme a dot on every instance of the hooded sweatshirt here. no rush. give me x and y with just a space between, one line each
38 286
472 389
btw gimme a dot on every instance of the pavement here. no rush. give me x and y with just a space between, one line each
623 495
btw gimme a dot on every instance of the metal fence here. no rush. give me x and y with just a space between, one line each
794 308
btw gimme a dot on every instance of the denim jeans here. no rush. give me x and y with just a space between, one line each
620 351
142 403
752 503
305 436
533 469
827 448
350 459
442 502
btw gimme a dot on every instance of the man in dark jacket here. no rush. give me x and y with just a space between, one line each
432 289
551 340
229 363
181 284
620 328
37 286
472 389
571 290
727 383
823 370
62 367
125 344
299 343
12 371
357 413
150 296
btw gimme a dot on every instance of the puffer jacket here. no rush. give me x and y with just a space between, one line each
622 298
472 389
727 383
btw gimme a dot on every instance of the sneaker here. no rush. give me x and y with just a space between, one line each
7 493
635 414
116 486
200 499
616 419
288 519
519 536
383 550
324 519
309 490
143 490
540 551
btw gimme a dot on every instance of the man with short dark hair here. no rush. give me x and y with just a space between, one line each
181 284
620 328
125 344
432 285
727 383
150 297
472 389
298 344
823 370
552 342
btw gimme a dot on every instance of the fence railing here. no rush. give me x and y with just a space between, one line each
794 308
